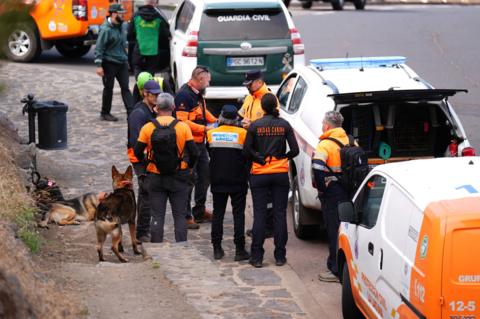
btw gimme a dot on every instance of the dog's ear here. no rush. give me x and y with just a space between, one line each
114 171
129 172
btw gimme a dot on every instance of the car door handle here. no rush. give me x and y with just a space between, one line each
370 248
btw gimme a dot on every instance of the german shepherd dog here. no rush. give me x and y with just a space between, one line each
116 209
73 211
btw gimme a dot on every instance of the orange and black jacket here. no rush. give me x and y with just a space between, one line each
228 167
190 107
140 116
266 145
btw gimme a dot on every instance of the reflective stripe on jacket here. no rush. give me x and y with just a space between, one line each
252 108
328 152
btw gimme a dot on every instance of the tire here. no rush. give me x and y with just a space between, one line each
307 4
297 211
23 44
349 308
72 50
337 4
359 4
286 3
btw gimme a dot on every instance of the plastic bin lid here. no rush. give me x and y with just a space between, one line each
50 106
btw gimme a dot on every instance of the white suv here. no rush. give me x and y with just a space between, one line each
388 108
231 37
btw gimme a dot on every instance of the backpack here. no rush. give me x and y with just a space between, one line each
164 147
354 163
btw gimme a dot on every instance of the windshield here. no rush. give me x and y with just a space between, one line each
240 25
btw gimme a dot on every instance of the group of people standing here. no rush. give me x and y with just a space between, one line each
176 146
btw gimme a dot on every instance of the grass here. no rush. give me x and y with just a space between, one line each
25 221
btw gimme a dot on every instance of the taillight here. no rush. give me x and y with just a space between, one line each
79 9
190 49
298 46
468 151
453 148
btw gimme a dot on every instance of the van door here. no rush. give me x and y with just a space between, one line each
461 260
233 41
368 246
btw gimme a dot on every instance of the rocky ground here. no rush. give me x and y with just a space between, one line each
182 280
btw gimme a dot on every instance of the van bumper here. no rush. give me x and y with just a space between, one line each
231 92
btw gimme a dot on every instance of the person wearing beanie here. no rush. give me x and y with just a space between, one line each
228 178
142 78
266 147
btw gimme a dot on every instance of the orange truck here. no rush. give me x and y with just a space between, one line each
408 243
69 25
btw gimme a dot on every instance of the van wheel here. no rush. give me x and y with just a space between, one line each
307 4
298 210
359 4
72 50
349 308
338 4
23 43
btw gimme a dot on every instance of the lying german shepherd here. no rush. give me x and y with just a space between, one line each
73 211
116 209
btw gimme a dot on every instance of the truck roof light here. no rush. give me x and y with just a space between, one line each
357 63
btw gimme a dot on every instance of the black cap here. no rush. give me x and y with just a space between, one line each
251 76
229 112
116 7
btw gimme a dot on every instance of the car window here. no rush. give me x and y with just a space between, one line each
369 200
184 16
248 24
297 95
285 90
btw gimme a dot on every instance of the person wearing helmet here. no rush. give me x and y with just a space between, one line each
144 112
142 78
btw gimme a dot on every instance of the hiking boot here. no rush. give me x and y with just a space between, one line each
218 252
191 224
280 262
144 238
268 233
207 216
328 276
108 117
241 254
256 264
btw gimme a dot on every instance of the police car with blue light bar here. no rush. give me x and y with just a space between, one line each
390 110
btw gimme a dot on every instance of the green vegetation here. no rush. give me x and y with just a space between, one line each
25 221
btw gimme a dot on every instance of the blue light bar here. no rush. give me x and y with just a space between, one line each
357 63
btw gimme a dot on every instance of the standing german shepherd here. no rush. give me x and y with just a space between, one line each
73 211
116 209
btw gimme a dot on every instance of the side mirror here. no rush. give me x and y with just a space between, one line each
347 213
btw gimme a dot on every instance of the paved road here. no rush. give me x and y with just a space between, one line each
440 43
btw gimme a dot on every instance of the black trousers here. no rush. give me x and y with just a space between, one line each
114 71
143 200
145 63
333 194
262 187
174 189
238 201
202 182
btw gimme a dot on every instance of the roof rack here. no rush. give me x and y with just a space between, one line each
357 63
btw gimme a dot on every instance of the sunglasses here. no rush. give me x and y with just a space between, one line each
199 69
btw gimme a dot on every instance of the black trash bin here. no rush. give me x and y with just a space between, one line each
52 124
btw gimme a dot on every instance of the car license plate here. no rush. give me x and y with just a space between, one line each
245 61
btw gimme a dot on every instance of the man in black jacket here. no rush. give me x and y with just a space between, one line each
228 178
150 33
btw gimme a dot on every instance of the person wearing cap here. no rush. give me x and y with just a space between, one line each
149 32
143 113
266 146
191 108
251 111
142 78
112 61
228 178
163 187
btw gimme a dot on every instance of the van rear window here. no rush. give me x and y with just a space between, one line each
243 25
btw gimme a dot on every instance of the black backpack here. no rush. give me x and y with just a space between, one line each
354 163
164 147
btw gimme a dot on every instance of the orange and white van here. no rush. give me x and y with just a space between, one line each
409 242
69 25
